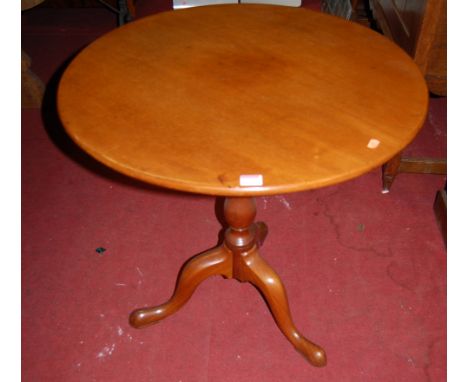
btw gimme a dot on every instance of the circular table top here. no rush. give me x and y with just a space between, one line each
240 100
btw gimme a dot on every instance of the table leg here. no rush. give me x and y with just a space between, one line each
238 257
210 263
242 238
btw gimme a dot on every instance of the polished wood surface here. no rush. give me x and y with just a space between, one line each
238 257
193 99
205 99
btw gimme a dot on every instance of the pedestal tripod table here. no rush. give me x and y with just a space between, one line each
242 101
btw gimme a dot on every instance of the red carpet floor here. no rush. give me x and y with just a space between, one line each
365 272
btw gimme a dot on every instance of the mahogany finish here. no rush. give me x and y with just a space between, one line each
214 262
194 98
197 99
238 257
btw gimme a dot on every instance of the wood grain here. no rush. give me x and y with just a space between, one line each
192 99
238 257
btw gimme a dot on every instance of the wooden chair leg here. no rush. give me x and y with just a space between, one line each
390 171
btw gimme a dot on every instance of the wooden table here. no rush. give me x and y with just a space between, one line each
241 101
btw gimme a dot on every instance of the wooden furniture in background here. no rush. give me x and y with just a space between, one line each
32 88
241 101
354 10
440 211
420 28
27 4
399 164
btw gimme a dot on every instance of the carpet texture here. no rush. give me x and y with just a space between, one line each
365 272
